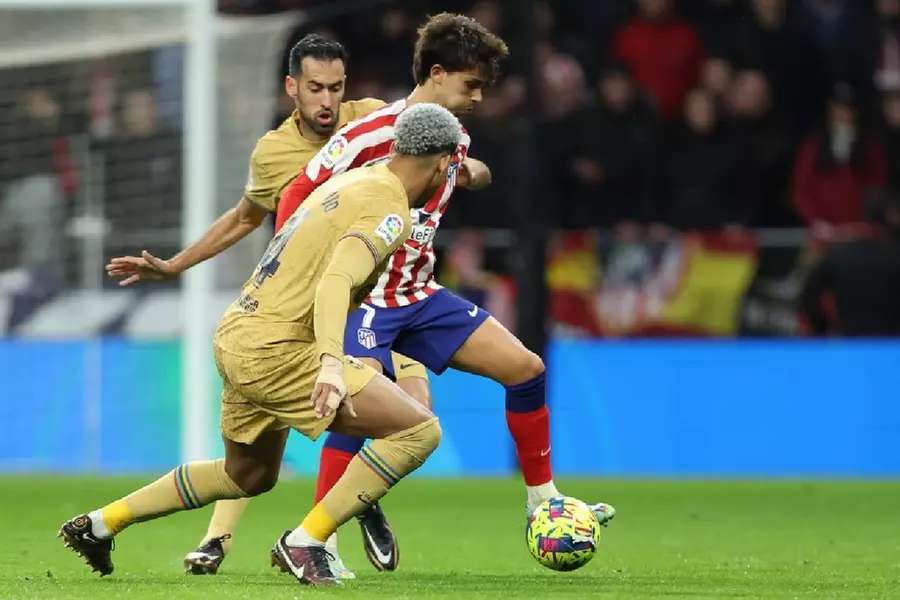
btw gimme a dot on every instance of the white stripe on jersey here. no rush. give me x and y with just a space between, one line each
354 147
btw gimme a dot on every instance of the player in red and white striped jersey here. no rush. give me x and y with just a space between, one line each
368 141
408 311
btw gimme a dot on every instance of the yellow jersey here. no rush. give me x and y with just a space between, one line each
276 306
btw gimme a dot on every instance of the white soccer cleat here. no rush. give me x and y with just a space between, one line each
338 568
604 512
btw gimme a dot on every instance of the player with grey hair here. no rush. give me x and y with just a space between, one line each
426 129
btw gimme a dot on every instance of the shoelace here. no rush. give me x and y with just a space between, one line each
320 558
220 540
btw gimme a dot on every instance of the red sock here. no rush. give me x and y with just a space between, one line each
531 434
337 453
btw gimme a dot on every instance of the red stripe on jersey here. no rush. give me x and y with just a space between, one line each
395 276
303 185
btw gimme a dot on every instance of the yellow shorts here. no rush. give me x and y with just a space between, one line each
269 393
406 367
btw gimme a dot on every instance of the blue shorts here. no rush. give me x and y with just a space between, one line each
429 331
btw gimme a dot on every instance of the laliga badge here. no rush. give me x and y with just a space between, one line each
333 151
390 229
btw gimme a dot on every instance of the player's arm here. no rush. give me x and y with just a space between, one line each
473 174
226 231
365 245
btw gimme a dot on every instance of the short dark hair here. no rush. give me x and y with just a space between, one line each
457 43
315 46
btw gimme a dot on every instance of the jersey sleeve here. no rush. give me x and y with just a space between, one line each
262 186
381 227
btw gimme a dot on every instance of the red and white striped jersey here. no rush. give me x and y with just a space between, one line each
367 141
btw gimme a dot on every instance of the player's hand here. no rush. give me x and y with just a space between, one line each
330 391
141 268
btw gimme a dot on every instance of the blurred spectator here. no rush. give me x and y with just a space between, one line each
142 171
890 106
716 76
839 29
762 131
886 41
561 82
610 158
855 289
663 52
708 181
836 165
33 207
787 54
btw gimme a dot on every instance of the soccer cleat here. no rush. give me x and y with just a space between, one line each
604 512
338 568
378 539
206 559
308 564
77 535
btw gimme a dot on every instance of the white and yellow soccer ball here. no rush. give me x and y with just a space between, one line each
563 533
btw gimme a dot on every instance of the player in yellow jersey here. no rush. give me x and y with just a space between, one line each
315 82
279 349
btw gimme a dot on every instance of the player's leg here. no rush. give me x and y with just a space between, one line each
216 543
246 470
368 335
493 351
379 541
451 331
403 434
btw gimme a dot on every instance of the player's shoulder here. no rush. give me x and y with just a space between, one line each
275 141
351 110
376 183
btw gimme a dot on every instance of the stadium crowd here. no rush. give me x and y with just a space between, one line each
651 117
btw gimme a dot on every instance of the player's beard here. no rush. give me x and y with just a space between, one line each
323 129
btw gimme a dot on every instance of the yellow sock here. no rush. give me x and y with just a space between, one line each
116 516
319 524
377 467
188 486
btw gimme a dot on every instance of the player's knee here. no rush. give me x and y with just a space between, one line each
526 367
430 437
253 480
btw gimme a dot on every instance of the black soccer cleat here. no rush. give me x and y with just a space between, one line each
379 539
308 564
77 535
206 559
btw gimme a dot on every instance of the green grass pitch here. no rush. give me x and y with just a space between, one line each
464 539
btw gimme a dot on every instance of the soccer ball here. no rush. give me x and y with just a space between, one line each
563 533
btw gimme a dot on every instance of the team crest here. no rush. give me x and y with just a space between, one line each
366 338
333 151
390 229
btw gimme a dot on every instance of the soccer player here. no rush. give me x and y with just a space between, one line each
315 82
279 350
408 311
